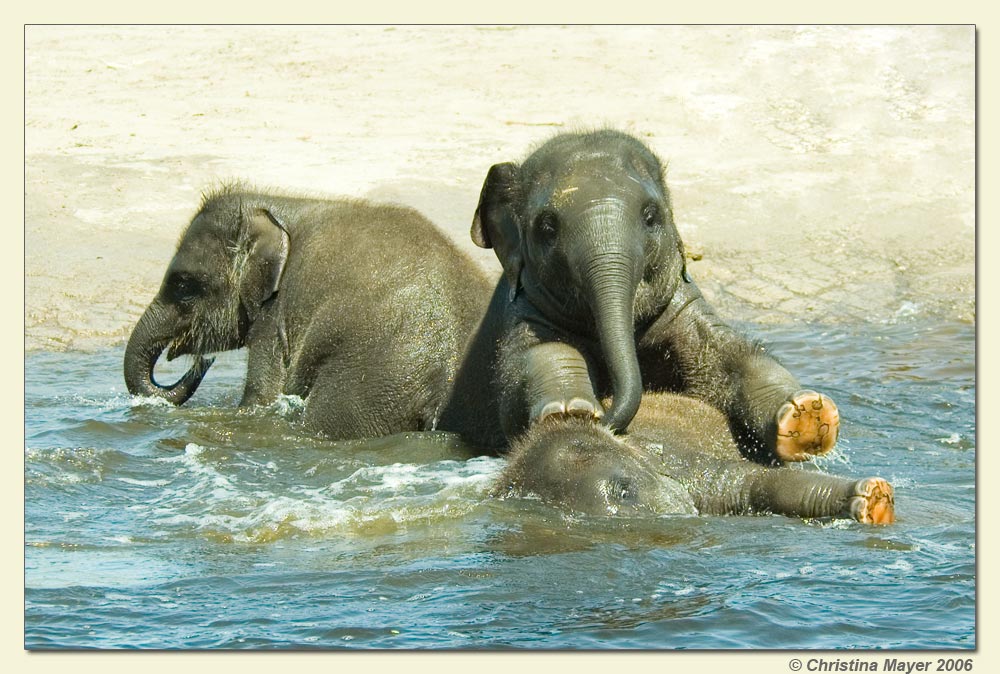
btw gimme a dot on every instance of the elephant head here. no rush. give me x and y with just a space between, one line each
574 463
584 230
229 262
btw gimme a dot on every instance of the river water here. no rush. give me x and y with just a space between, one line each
148 526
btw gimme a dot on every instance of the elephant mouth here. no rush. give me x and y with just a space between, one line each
145 346
181 347
188 382
141 380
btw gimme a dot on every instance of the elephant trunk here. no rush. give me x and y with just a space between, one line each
148 340
612 281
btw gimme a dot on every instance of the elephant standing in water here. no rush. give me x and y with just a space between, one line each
596 300
679 457
361 309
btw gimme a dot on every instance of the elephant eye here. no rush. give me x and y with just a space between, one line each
546 226
183 287
651 215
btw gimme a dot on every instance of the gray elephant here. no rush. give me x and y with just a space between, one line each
596 300
678 457
361 309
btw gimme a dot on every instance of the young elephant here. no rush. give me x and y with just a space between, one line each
599 301
678 457
361 309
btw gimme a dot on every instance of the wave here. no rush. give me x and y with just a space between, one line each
206 498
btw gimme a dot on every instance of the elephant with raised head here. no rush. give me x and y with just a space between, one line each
361 309
678 457
596 300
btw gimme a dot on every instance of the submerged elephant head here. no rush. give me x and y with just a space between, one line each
228 263
575 463
584 229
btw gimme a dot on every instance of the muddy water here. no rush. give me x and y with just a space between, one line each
208 527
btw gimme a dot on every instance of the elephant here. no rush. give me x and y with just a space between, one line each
678 457
596 299
361 309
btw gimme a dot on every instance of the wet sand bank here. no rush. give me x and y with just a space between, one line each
821 173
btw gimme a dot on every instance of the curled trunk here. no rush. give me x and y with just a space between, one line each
148 340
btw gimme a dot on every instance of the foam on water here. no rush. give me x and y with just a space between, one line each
207 495
288 406
143 401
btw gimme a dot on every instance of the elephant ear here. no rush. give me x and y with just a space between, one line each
496 223
668 202
681 248
267 245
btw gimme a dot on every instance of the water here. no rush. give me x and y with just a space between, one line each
205 526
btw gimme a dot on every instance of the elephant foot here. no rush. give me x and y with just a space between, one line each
808 425
873 502
579 408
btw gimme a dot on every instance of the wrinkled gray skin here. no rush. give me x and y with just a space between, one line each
595 299
361 309
678 457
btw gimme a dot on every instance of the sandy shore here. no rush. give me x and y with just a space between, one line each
822 173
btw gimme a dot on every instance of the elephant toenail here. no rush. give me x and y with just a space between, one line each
552 409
